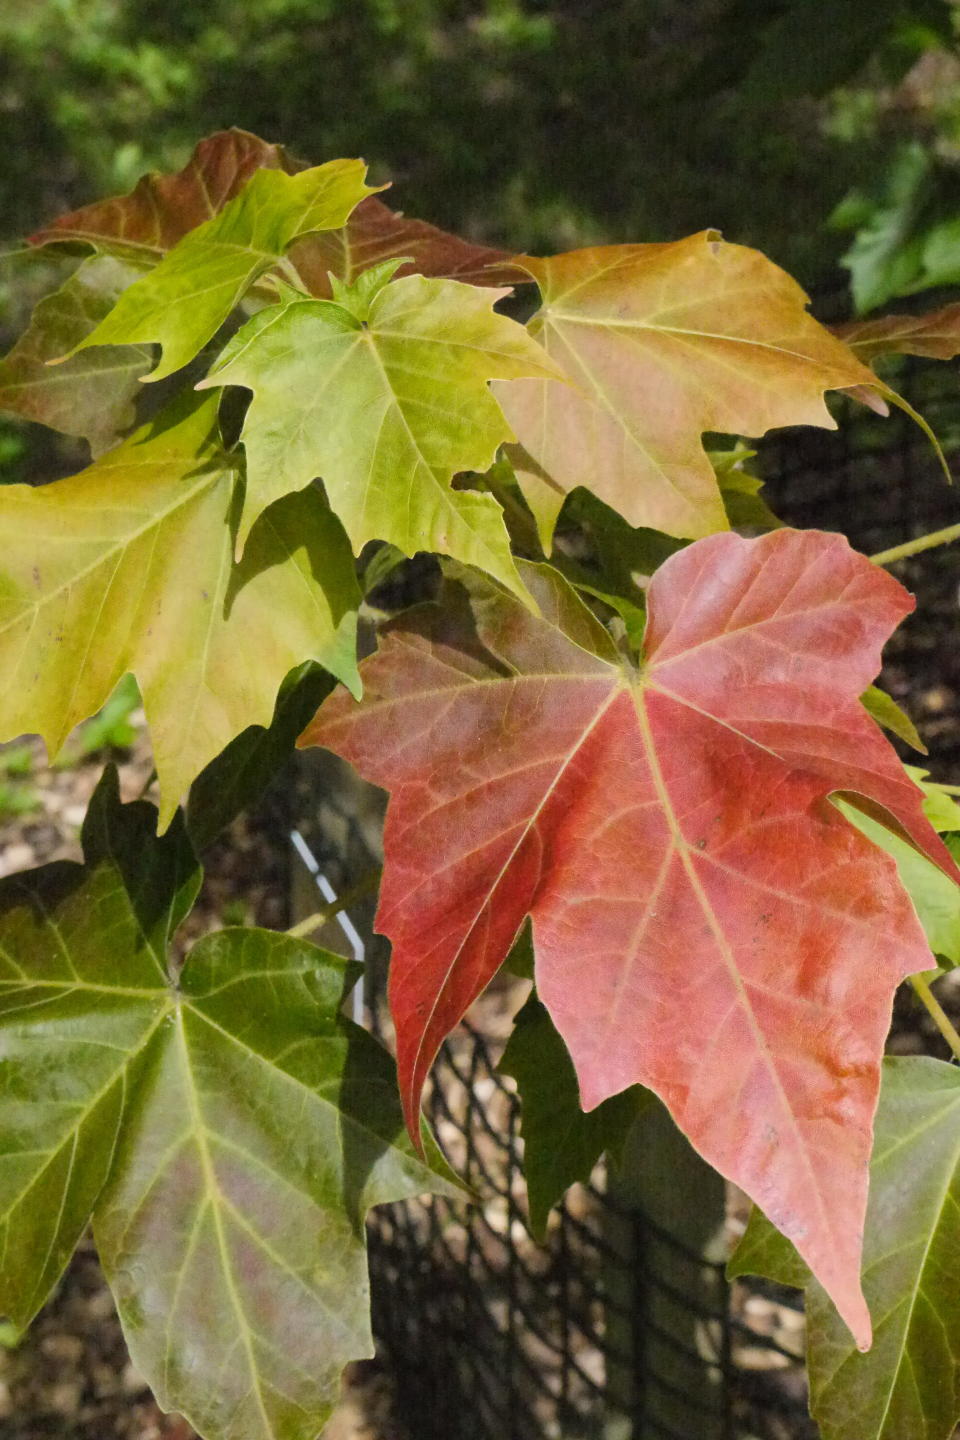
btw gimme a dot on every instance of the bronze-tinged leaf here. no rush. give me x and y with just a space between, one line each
375 233
148 222
92 394
662 343
705 923
935 336
182 302
161 209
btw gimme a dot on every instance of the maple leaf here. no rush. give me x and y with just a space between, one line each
161 1102
237 777
561 1144
375 233
145 224
385 409
127 567
935 336
183 301
92 394
936 896
909 1384
662 343
888 713
704 922
161 209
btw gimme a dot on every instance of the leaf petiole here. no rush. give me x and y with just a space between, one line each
364 886
913 547
937 1013
290 272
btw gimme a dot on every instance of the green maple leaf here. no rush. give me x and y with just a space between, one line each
128 567
936 897
91 394
908 1384
225 1127
386 406
888 713
561 1143
183 302
237 777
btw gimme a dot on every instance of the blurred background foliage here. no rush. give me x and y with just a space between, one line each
806 127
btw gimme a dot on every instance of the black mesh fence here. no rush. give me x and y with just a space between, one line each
879 482
618 1327
519 1330
494 1335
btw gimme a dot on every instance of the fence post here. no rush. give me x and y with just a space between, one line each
666 1294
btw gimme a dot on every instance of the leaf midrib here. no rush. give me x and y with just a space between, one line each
597 393
566 760
683 852
78 376
212 1189
554 315
441 485
301 1086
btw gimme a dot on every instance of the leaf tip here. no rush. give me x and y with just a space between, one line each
166 813
852 1309
160 373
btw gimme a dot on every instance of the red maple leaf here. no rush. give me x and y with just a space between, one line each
705 922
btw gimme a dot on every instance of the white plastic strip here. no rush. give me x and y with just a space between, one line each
352 934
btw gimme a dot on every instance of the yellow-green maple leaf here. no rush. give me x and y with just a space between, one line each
184 301
128 566
386 410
